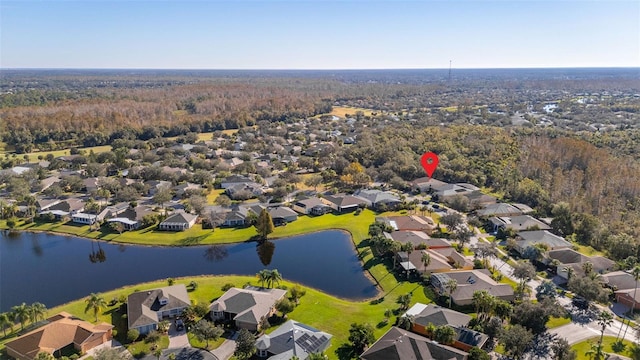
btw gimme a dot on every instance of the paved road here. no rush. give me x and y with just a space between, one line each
183 354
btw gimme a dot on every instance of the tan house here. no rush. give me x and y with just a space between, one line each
469 282
61 331
247 307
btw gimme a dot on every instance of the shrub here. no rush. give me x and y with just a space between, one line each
477 264
74 356
132 335
227 286
152 337
358 211
171 281
193 285
114 332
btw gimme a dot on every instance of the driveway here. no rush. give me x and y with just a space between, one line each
178 339
183 354
226 349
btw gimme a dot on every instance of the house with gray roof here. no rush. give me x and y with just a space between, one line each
498 209
145 309
425 184
246 307
292 339
344 203
619 280
282 214
178 221
517 223
525 239
311 206
566 258
469 282
417 238
379 199
399 344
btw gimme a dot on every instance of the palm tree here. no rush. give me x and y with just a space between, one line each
96 303
406 322
21 314
451 285
263 276
444 334
426 260
604 319
317 356
6 322
274 277
636 276
395 247
37 311
594 352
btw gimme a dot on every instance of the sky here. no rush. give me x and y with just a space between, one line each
318 34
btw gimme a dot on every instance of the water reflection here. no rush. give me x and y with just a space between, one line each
265 251
98 256
216 253
36 247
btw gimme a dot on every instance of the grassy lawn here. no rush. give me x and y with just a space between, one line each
141 348
316 309
33 156
203 344
582 347
587 250
554 322
357 225
213 194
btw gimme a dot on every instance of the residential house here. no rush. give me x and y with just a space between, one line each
343 203
155 185
91 184
184 189
449 190
84 218
566 258
425 184
60 331
247 307
399 344
43 204
311 206
517 223
113 211
619 280
254 189
377 199
525 239
145 309
233 162
409 223
236 217
441 260
424 315
417 238
499 210
292 339
178 221
70 206
469 282
282 215
127 224
478 199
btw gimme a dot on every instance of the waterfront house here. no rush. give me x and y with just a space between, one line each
145 309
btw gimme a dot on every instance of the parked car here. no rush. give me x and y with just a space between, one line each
580 303
179 324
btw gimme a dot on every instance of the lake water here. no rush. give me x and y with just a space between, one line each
54 269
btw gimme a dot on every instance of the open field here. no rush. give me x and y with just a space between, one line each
342 111
33 156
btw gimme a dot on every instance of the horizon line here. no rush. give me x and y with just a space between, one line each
320 69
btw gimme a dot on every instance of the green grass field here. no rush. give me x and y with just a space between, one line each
582 347
33 156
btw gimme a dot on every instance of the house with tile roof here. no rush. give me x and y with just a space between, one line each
145 309
246 307
60 331
292 339
399 344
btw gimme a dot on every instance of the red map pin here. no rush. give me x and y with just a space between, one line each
429 162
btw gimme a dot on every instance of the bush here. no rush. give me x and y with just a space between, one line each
114 332
477 264
358 211
227 286
152 337
132 335
74 356
193 285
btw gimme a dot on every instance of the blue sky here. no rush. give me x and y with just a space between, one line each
318 34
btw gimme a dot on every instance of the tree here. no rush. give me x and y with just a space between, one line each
296 292
157 353
223 200
132 335
274 278
205 330
426 259
20 314
483 302
44 356
197 203
452 221
594 352
516 340
604 319
163 326
162 196
406 322
451 285
562 350
524 271
313 181
475 353
546 289
37 311
562 219
404 301
285 306
245 345
264 225
6 322
486 250
263 276
534 316
95 303
360 336
444 334
588 288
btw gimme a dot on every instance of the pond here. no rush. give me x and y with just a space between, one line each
55 269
